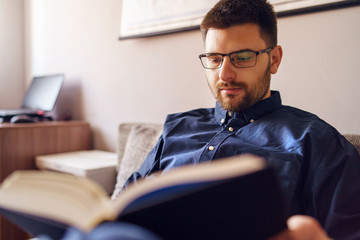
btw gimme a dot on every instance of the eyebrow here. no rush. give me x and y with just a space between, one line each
241 50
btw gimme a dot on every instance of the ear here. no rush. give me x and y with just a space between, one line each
276 56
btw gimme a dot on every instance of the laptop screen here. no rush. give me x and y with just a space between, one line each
43 92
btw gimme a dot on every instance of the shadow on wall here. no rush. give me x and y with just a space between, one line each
69 103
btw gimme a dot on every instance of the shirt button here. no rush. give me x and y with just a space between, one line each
222 120
211 148
231 129
229 114
252 120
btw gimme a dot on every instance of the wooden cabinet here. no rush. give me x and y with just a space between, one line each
20 143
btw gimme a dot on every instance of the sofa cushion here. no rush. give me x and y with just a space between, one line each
135 142
354 139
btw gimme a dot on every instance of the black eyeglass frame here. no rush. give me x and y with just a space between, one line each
266 50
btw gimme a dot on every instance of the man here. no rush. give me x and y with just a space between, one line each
317 168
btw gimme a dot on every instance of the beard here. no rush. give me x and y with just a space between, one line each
252 94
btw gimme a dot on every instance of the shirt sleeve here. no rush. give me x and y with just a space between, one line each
333 186
150 165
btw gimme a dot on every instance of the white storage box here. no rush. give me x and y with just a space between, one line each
99 166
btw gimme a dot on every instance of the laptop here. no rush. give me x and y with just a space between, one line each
40 97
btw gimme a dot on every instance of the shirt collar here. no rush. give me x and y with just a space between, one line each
257 111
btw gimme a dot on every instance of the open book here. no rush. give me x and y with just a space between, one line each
236 197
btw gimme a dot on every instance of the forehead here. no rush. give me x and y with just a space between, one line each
246 36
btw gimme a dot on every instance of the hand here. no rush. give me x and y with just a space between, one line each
302 227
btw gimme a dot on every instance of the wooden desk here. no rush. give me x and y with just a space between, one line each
20 143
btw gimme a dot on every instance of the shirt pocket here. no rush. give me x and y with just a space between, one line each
287 167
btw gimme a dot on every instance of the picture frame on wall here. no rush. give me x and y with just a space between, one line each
291 7
144 18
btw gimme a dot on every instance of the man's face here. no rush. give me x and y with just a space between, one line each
237 89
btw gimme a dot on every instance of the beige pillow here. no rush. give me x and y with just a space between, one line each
140 140
354 139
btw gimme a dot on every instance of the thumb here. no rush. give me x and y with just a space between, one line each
306 228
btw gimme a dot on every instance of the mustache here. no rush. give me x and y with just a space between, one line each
231 85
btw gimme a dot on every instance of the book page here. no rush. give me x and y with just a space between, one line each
61 197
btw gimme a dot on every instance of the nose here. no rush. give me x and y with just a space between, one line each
227 72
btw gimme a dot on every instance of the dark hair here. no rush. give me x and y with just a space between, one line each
228 13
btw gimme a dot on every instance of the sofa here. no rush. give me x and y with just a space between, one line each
135 141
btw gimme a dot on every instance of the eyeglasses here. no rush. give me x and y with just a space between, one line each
240 59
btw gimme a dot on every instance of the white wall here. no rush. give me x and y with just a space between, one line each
321 68
132 80
114 81
12 44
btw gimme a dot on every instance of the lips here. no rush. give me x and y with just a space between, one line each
230 90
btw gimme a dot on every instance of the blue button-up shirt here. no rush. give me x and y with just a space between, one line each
318 169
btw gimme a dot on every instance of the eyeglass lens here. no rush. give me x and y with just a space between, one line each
241 59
